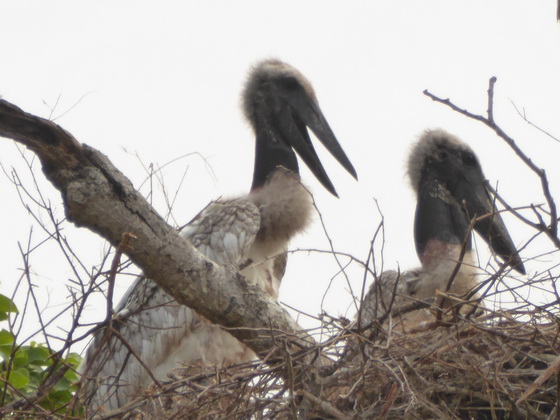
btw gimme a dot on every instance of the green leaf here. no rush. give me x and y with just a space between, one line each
74 359
6 338
56 399
19 378
6 305
62 385
71 375
20 359
35 370
6 343
39 356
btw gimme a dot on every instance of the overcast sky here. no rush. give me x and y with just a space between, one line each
162 80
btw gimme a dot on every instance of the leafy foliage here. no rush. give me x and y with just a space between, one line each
25 368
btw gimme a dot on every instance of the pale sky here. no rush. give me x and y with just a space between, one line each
162 80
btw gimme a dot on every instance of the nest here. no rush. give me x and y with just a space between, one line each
493 367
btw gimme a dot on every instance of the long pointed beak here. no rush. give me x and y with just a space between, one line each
471 192
438 222
292 122
315 120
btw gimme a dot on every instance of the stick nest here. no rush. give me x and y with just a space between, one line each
500 366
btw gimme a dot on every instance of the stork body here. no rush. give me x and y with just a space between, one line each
451 191
251 232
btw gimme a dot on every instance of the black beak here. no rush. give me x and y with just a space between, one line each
446 206
292 122
471 193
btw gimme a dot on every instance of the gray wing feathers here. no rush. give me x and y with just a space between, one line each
163 333
225 230
392 290
153 325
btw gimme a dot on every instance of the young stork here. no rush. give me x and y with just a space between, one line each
451 191
251 231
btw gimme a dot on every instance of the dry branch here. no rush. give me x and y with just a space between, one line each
551 230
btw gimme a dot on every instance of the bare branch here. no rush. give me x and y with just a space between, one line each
522 115
490 110
123 246
552 229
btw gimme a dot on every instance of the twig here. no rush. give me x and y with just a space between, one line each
552 230
123 246
324 406
458 265
490 91
553 369
522 115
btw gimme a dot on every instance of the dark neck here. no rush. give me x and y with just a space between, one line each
271 152
439 216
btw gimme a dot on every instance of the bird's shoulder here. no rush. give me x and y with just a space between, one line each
391 289
225 230
402 282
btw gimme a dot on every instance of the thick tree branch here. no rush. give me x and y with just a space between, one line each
99 197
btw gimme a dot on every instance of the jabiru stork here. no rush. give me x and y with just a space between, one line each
252 231
451 191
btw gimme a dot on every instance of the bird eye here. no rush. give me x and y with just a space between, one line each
289 83
468 159
443 155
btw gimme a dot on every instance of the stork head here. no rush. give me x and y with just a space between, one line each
280 105
451 190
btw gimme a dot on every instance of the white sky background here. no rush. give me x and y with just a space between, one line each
163 79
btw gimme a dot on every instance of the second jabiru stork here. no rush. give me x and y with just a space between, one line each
451 191
251 232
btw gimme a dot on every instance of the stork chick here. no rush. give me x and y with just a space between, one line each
451 191
252 232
